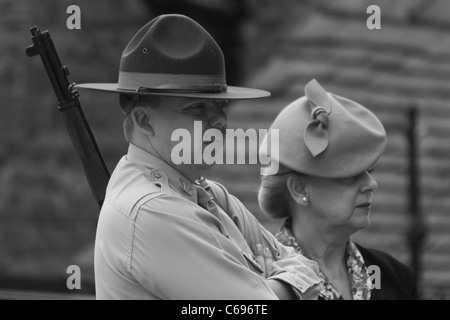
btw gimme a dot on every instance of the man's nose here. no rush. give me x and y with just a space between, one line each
217 118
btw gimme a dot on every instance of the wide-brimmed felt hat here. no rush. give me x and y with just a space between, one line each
172 55
325 135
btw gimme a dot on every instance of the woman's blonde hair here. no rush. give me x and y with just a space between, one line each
273 197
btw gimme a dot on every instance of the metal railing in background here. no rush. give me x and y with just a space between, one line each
417 228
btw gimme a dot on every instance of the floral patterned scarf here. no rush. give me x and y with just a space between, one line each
357 270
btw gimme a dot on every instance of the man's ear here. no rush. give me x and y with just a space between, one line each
297 188
141 119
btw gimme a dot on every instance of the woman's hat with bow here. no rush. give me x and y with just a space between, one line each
325 135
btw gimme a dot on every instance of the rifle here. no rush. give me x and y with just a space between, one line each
75 120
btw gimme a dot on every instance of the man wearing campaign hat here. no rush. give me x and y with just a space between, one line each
165 232
324 188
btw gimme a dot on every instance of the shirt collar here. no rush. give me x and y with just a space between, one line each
157 168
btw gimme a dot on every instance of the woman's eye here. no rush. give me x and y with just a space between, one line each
349 180
352 180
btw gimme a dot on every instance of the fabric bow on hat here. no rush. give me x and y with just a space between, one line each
316 133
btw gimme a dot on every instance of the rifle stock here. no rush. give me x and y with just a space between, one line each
76 123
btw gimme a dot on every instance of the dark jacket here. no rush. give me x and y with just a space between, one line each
397 280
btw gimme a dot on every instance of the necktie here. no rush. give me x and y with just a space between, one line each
227 228
205 199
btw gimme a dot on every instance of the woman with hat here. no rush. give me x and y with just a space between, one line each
324 189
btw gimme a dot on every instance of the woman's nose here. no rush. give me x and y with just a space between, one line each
369 184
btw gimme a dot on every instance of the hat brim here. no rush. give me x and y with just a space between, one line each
232 93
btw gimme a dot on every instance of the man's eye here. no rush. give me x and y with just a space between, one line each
196 108
223 104
370 171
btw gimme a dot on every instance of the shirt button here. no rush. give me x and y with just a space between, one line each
157 174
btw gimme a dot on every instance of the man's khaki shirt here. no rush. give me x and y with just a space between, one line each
154 241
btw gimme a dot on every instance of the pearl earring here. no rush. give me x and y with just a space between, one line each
305 199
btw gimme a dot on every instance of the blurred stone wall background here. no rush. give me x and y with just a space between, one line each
47 214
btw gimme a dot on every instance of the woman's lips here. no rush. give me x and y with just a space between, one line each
366 205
